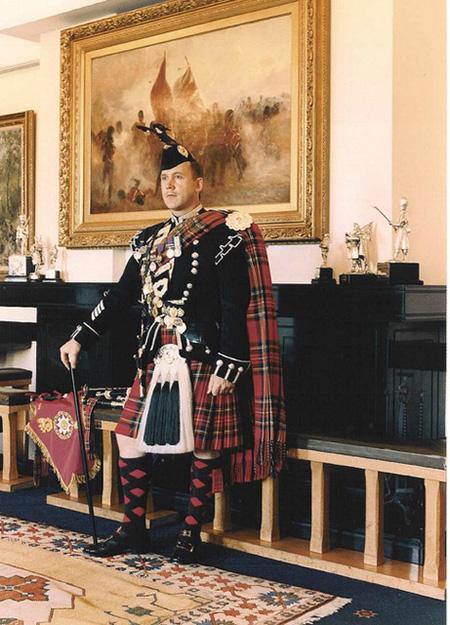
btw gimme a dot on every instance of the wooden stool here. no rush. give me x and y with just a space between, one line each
18 378
15 377
14 407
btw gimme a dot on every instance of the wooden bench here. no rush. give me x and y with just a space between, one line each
14 408
108 505
424 463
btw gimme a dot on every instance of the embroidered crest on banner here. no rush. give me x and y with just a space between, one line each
63 424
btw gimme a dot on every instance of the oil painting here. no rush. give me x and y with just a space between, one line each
237 125
16 180
245 89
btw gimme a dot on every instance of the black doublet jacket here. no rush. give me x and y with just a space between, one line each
209 284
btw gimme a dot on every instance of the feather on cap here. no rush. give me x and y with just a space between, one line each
173 153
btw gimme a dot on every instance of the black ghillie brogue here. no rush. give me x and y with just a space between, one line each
120 542
187 547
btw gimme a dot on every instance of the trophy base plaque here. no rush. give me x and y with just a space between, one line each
357 279
19 266
399 273
324 275
35 276
52 275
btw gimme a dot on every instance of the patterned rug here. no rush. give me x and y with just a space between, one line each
46 578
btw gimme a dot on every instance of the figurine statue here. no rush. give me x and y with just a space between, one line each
324 273
22 232
324 249
36 258
357 242
401 232
52 256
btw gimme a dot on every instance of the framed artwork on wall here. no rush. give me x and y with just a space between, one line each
244 85
17 175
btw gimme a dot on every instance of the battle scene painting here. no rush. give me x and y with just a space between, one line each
10 189
225 94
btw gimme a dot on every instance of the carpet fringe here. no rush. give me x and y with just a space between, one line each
333 606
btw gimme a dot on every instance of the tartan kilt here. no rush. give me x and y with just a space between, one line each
220 422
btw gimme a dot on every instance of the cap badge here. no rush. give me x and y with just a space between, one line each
182 150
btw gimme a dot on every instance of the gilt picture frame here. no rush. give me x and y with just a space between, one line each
244 85
17 181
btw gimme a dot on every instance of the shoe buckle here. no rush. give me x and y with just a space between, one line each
189 547
187 533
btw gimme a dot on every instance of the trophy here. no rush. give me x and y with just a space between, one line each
357 244
397 270
324 274
51 273
36 258
19 264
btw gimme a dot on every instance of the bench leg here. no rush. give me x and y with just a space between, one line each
110 490
270 530
74 491
9 424
320 541
434 565
22 447
222 512
373 548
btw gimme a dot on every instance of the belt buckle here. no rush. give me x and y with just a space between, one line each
168 354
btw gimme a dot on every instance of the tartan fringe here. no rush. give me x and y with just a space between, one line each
267 457
246 466
217 480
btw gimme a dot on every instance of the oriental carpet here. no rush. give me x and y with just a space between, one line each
46 578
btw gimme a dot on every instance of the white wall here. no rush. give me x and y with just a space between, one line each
361 167
419 113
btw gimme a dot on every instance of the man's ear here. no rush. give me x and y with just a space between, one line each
199 185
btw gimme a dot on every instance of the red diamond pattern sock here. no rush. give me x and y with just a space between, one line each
134 477
200 500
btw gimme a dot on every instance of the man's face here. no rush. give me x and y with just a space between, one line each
180 189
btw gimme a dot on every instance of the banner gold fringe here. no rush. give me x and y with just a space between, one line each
76 479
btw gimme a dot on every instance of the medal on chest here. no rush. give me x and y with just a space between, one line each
157 268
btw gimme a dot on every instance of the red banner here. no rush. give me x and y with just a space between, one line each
54 429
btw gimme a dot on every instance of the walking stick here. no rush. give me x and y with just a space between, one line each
83 455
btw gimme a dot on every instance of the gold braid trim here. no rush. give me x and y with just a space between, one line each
76 479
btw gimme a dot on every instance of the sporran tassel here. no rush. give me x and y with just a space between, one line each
166 424
149 433
172 424
162 414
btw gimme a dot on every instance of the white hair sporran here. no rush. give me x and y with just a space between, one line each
166 424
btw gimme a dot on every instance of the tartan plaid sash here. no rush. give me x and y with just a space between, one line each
267 455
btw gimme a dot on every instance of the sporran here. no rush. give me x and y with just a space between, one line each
166 425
